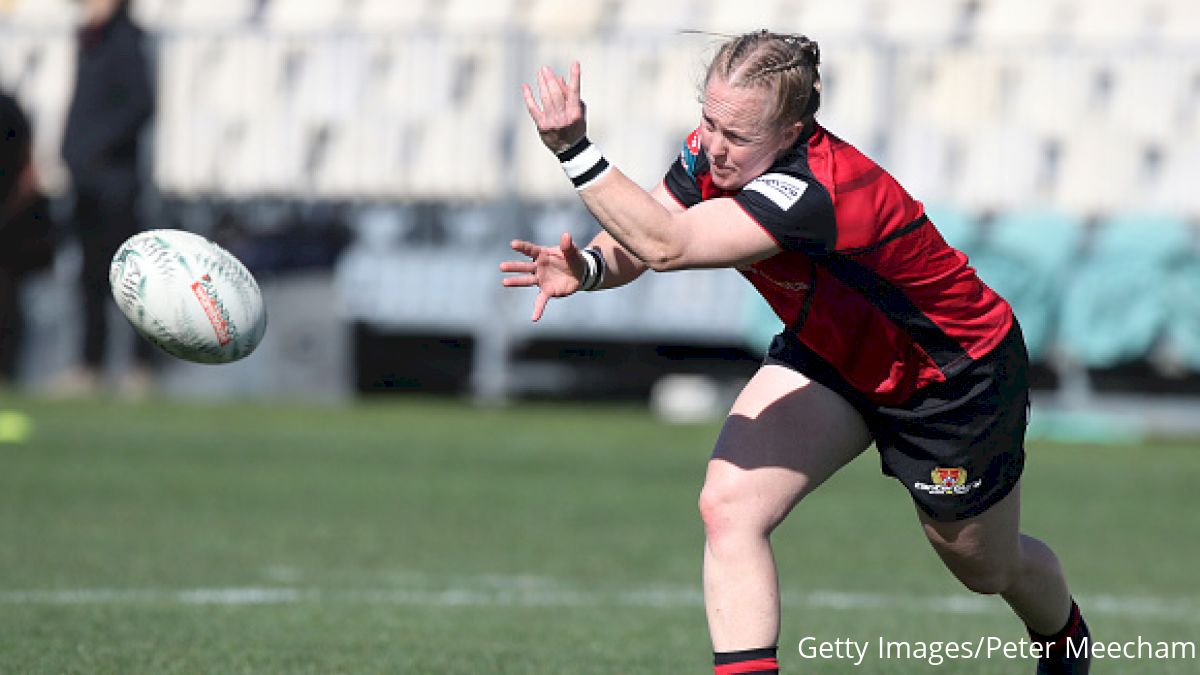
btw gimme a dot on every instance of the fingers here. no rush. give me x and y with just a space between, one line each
526 248
572 87
518 266
519 282
553 91
566 244
531 104
539 306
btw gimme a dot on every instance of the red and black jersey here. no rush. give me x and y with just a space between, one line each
864 279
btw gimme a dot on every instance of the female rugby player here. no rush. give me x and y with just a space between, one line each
890 337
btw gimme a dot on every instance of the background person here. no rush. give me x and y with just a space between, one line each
112 104
26 235
890 337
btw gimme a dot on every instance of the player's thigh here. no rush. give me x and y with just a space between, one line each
983 547
785 435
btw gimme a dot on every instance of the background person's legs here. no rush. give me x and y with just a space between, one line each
10 326
102 224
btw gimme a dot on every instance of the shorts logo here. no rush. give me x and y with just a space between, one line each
780 188
948 481
949 478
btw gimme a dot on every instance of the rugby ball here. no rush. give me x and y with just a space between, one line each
188 295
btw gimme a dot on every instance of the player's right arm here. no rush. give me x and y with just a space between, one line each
558 271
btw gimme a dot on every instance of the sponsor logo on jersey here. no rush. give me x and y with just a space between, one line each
214 309
948 481
780 188
690 154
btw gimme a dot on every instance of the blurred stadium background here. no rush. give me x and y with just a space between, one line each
370 159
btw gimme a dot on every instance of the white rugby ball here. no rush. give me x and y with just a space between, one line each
188 295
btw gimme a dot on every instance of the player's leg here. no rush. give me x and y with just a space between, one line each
989 555
784 436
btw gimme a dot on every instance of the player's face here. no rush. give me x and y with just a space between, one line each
741 143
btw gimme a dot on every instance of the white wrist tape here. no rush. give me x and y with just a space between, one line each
594 277
583 163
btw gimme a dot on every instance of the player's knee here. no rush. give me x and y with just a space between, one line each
716 508
728 512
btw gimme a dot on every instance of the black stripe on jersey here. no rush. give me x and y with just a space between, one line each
888 239
949 356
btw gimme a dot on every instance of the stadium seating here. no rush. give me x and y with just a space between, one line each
473 17
664 16
1100 171
1053 91
1183 331
830 21
1021 22
1103 23
1001 167
1180 23
851 94
956 226
303 15
193 15
741 17
45 14
557 20
1174 188
1026 257
921 156
924 22
1162 78
1117 302
1015 120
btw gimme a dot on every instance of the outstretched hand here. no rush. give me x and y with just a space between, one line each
561 118
556 271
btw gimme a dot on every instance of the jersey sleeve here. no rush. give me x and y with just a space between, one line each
795 210
681 176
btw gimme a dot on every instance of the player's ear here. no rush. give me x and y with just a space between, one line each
791 133
794 132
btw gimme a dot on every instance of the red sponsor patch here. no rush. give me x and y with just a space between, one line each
693 141
211 310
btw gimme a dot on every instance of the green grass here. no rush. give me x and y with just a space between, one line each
424 536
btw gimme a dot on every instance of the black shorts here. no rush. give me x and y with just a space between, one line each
959 445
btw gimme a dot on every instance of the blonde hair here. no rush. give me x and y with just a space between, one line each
784 64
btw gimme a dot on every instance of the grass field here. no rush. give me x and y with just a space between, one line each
424 536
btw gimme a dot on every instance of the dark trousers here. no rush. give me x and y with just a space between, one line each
102 223
10 324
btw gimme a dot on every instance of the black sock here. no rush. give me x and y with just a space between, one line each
1057 642
758 661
